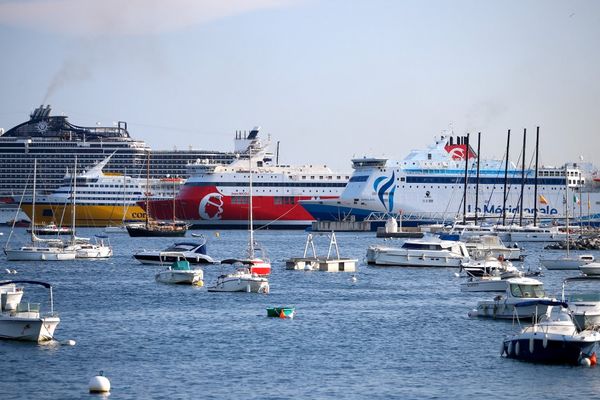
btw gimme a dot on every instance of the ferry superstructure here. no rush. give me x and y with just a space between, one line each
54 142
427 187
218 195
102 199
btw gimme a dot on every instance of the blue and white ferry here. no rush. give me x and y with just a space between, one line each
427 187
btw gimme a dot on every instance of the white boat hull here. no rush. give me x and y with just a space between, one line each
592 269
28 329
180 277
396 257
233 284
39 254
564 263
507 310
94 252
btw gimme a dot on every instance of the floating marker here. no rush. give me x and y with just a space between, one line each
99 384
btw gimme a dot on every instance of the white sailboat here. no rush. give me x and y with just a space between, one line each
83 247
568 261
53 250
251 277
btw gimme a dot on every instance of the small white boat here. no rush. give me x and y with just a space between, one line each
116 229
480 247
10 296
553 339
242 280
50 229
531 233
590 269
490 266
584 305
179 272
567 262
426 252
26 322
484 284
518 290
98 249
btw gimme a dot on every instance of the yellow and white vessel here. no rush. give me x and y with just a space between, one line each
103 199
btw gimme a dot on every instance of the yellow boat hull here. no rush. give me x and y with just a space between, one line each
85 215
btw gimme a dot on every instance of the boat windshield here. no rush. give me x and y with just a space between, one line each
527 291
583 297
421 246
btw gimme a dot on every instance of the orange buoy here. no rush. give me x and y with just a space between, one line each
593 360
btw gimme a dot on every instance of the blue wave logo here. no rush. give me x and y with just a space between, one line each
383 188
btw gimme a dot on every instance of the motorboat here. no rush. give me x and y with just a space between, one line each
490 266
517 291
193 252
491 245
584 305
552 339
426 252
179 272
50 229
116 229
10 296
532 233
590 269
26 322
567 262
241 280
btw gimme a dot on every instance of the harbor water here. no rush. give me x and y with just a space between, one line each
394 333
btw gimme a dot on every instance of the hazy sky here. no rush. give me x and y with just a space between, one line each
329 79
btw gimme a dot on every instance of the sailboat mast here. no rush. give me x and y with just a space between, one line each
148 190
73 201
522 177
466 179
535 187
505 179
477 182
251 249
33 200
567 207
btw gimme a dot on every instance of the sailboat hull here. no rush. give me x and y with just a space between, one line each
39 254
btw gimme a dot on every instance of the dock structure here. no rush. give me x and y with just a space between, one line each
316 263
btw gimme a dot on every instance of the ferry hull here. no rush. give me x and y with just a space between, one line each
86 215
208 207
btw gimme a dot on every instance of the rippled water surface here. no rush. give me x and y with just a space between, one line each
395 333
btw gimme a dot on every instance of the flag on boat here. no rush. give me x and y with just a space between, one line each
575 199
543 199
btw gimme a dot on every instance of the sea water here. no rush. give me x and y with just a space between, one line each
394 333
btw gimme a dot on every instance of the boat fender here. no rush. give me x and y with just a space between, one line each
545 340
502 349
593 359
248 288
531 345
586 362
517 348
510 348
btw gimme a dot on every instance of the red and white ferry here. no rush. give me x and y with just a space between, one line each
217 196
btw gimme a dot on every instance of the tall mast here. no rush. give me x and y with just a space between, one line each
477 182
251 249
535 187
522 177
33 200
505 179
466 179
567 206
148 190
73 201
173 201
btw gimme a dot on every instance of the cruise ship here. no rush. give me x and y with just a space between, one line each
101 198
54 142
427 186
217 196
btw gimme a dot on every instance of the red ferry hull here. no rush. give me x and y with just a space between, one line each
208 207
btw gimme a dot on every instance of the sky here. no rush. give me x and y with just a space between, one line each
330 80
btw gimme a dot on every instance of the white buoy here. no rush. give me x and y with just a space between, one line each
99 384
586 362
353 279
69 342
